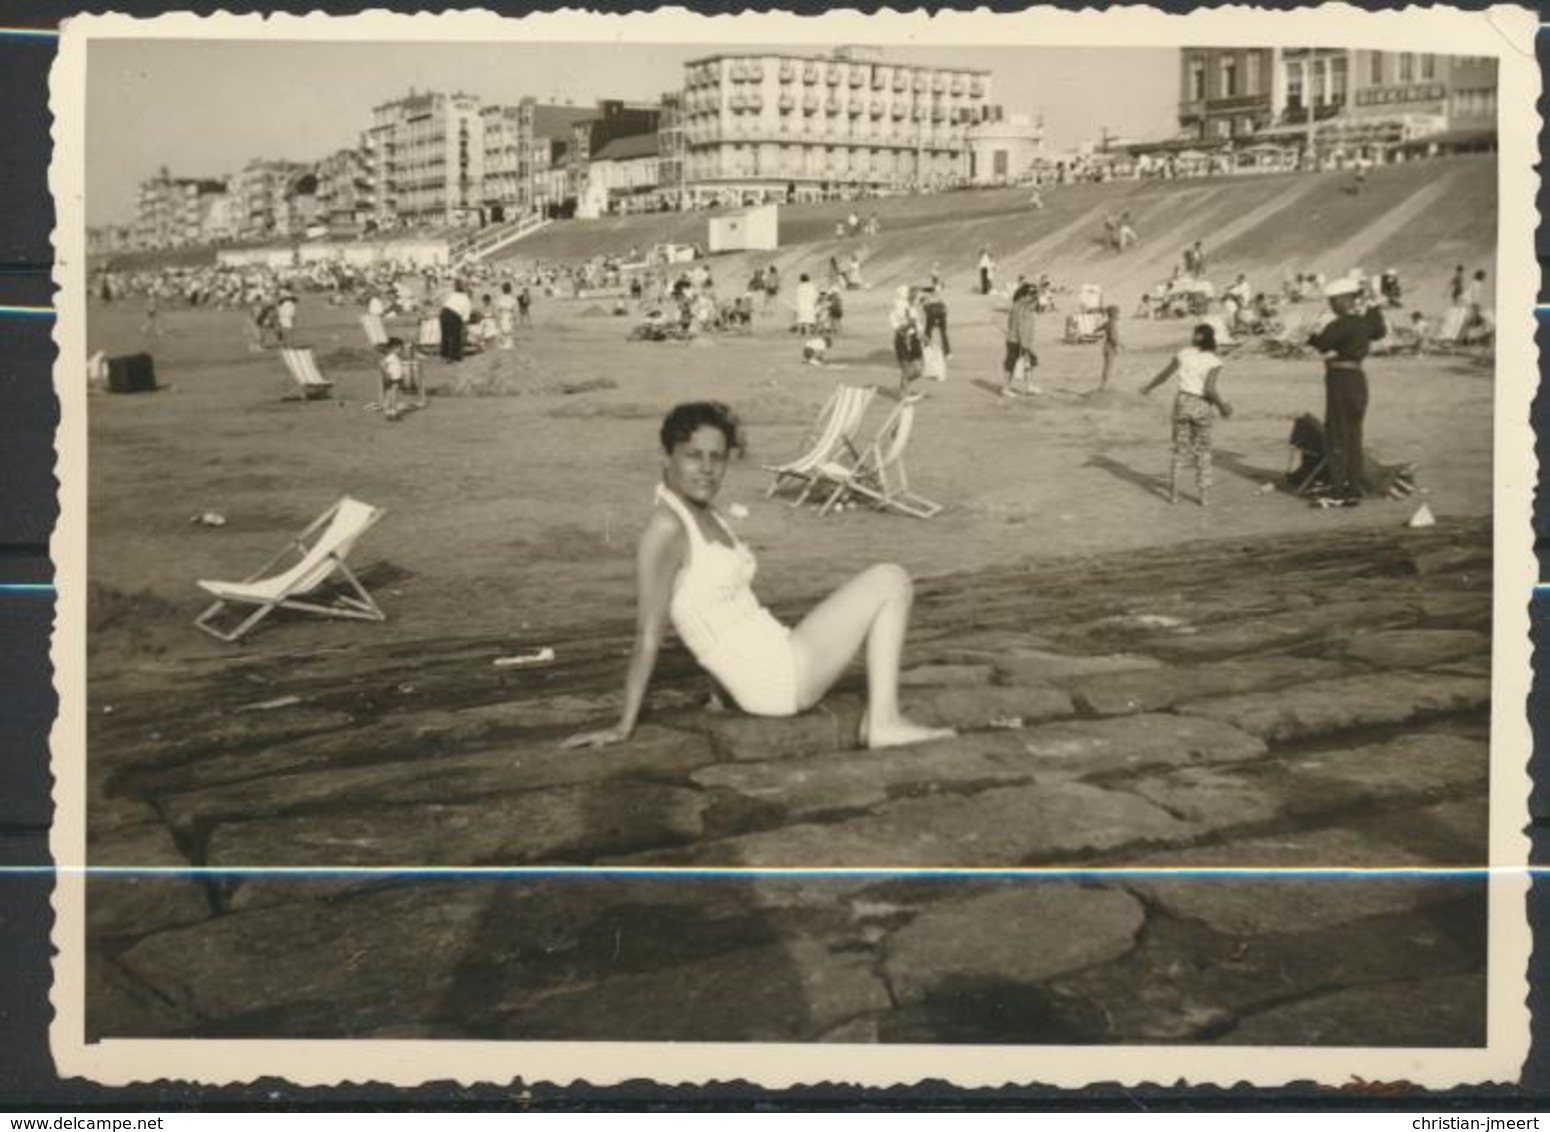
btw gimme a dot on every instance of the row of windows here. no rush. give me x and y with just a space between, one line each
1382 67
1478 103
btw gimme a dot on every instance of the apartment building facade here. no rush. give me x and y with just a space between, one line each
1347 102
426 156
177 211
344 190
261 198
760 125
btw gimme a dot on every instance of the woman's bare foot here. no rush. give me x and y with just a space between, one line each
899 733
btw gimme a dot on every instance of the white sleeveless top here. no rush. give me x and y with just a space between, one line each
1195 365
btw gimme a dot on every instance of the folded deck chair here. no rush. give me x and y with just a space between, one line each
376 332
877 473
834 431
322 549
304 372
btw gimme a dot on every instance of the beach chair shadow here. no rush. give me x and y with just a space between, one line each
321 551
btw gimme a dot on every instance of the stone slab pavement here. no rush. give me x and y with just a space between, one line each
1258 704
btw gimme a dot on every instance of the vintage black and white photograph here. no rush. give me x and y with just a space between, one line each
991 548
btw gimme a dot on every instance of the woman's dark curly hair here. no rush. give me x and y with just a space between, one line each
682 423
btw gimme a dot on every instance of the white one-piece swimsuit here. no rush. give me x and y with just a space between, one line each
720 621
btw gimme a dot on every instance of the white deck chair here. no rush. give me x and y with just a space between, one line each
322 547
304 372
878 474
834 429
430 335
1225 340
376 332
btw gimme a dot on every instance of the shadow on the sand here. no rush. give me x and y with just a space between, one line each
1152 485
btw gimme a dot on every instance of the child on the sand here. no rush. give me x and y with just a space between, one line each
1111 345
1198 369
392 367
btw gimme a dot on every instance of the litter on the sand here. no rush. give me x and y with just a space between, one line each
1423 517
270 705
1006 723
535 656
737 511
209 519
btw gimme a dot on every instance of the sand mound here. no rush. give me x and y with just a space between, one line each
505 373
349 357
594 311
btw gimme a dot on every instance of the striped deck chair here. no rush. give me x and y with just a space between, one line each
1296 328
878 473
322 549
376 332
833 431
303 369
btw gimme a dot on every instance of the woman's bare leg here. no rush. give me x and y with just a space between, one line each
872 608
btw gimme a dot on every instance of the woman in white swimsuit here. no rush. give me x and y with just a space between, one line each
691 569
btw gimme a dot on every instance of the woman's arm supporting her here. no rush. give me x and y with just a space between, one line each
657 562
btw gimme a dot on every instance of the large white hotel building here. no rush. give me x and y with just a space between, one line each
762 124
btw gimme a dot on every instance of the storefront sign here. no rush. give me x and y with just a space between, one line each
1384 95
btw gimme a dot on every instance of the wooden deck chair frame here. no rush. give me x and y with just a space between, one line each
834 429
376 330
322 549
303 369
878 474
414 379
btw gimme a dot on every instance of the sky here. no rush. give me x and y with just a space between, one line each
205 108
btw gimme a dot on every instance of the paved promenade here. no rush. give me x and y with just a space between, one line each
1244 703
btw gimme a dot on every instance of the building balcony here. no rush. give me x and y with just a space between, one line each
877 110
788 70
899 111
832 105
1237 103
857 80
787 103
810 104
879 80
957 84
855 109
901 81
738 72
977 87
939 83
755 102
920 84
833 76
810 73
755 72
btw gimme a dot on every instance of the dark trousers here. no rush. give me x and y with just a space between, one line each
984 281
936 321
451 335
1345 406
